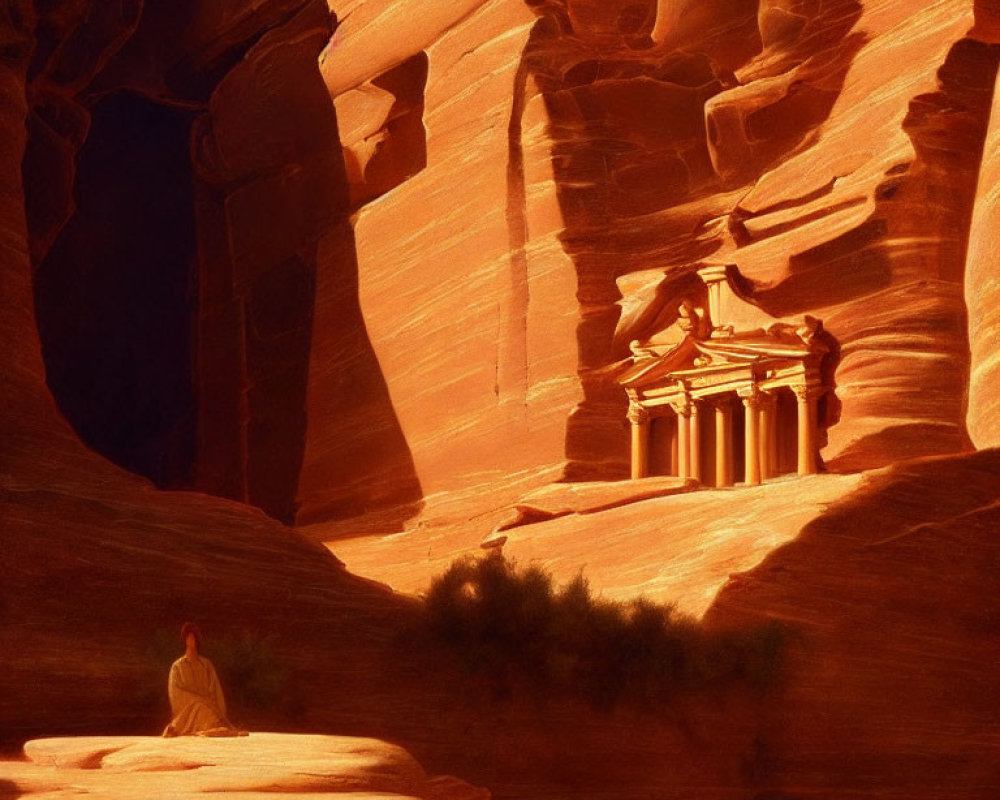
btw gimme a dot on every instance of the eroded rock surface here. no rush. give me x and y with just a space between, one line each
415 282
578 161
264 765
893 593
394 266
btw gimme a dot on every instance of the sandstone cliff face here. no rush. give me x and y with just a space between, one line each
442 251
893 594
180 170
426 285
578 160
96 559
413 281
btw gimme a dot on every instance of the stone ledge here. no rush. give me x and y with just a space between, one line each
563 499
265 765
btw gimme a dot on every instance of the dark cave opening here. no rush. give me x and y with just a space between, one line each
115 297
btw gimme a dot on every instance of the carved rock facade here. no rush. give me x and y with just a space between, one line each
582 160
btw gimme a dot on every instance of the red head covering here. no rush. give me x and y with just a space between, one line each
190 627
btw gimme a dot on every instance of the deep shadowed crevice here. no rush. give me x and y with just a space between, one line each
512 340
176 264
115 295
278 329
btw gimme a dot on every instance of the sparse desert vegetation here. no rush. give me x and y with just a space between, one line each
518 629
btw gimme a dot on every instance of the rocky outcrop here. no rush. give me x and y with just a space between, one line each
890 688
879 231
426 286
562 499
263 765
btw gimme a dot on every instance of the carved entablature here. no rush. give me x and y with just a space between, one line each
637 414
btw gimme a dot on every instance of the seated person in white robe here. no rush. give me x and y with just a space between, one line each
196 700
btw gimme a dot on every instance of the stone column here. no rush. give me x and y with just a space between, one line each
684 442
751 405
675 463
638 418
695 442
723 442
807 429
768 436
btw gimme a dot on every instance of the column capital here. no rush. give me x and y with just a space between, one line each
681 407
751 397
805 391
637 414
723 402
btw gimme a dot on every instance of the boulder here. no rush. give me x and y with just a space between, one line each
264 765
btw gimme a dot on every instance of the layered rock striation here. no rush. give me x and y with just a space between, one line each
577 161
982 284
416 271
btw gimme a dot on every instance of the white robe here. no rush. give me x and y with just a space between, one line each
196 700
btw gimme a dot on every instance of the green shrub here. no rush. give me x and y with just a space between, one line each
519 630
252 676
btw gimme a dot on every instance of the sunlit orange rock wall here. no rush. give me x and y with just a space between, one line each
571 169
465 289
982 294
867 228
426 284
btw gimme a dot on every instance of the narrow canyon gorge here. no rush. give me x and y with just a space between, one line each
302 301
